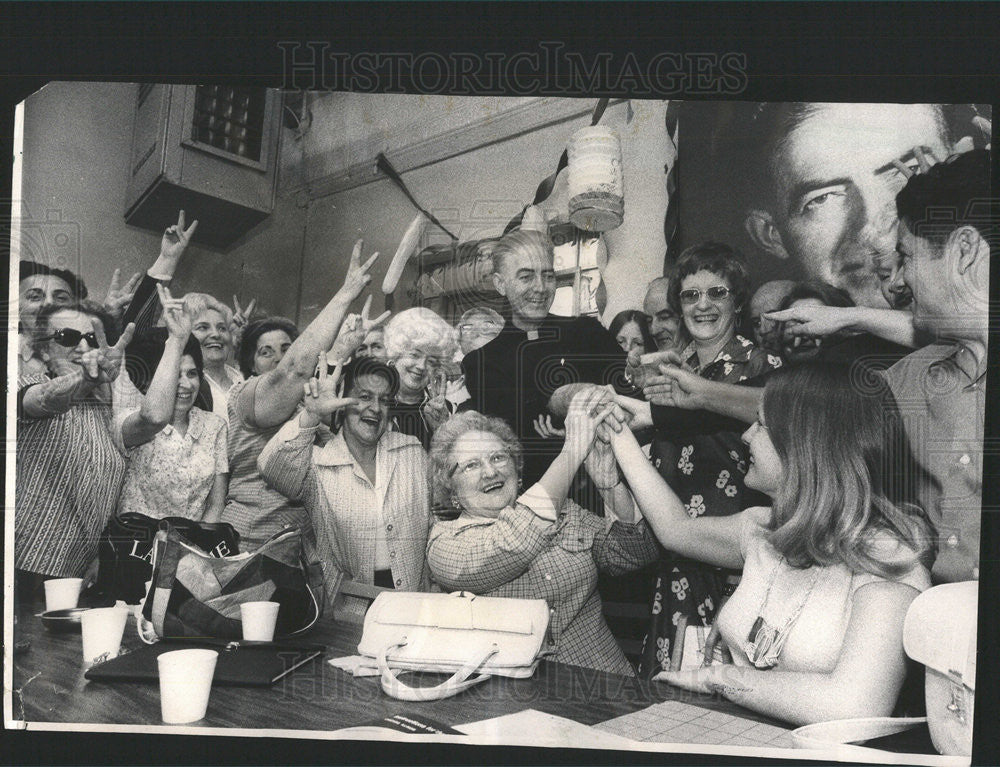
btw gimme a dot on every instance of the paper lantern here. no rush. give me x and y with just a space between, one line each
596 188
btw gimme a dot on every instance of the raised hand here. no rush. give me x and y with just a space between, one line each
322 395
357 274
435 409
175 315
176 238
242 315
103 364
353 332
119 296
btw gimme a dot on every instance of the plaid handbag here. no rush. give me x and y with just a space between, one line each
194 594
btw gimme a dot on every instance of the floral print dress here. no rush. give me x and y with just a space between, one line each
706 471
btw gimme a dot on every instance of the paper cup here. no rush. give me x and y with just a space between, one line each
62 593
259 619
185 684
102 630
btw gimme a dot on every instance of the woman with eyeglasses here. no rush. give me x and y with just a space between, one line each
537 544
69 469
709 288
420 345
366 489
830 566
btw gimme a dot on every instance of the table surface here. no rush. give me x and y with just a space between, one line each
50 687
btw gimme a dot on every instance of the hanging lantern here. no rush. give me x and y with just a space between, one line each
596 189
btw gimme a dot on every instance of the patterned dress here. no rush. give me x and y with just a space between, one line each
173 474
706 471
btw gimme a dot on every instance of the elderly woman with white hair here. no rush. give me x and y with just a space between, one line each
421 346
213 327
536 543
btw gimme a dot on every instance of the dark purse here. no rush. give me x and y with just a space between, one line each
194 594
125 551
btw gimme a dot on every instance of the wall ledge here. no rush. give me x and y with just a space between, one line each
492 129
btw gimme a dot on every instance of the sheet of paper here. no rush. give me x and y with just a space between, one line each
358 665
531 727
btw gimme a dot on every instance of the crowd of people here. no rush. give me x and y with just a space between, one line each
797 467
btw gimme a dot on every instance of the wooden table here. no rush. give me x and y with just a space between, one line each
49 678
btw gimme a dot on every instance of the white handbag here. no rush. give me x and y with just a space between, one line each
474 637
940 632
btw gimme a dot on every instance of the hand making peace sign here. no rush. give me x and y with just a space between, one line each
103 364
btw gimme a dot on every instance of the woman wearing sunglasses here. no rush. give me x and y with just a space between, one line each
536 544
69 471
704 461
815 626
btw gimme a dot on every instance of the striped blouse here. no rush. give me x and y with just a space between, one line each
69 475
253 507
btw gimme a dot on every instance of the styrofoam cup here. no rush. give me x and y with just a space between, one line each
259 619
62 593
102 630
185 684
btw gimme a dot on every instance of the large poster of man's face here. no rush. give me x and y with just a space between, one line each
807 190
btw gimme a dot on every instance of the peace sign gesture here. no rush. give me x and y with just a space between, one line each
175 315
353 332
119 297
176 238
241 315
321 396
102 365
357 274
435 409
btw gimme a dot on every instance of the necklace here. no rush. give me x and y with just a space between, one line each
765 642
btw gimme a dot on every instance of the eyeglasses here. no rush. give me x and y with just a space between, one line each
498 460
715 293
69 338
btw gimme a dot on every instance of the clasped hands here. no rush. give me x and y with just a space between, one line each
596 397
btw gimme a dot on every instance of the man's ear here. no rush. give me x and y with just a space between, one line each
971 247
765 235
498 284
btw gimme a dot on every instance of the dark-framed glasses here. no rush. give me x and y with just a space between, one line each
715 293
69 338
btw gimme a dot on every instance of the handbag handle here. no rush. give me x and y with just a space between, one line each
458 682
840 735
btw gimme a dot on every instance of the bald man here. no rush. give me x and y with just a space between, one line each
664 323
